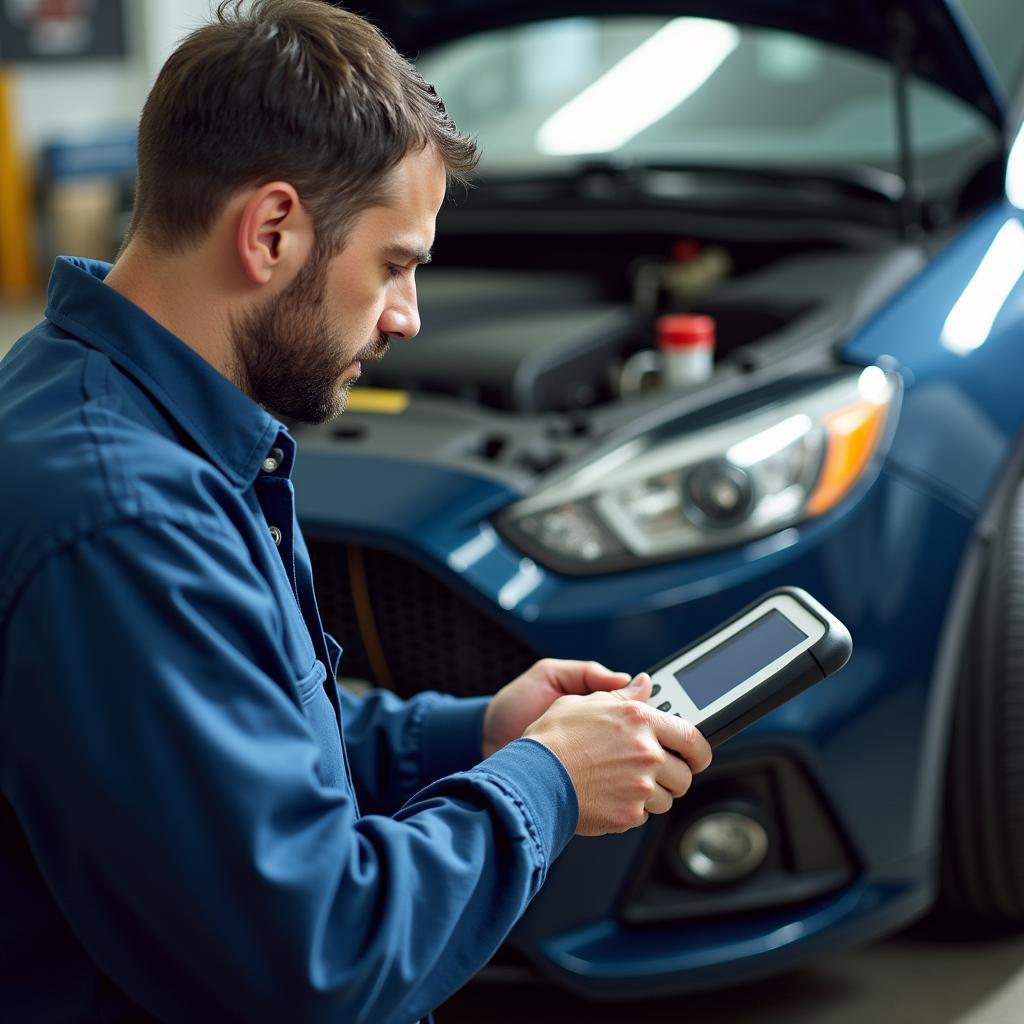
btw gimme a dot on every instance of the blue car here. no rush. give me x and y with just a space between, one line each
734 302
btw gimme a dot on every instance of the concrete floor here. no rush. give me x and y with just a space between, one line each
934 973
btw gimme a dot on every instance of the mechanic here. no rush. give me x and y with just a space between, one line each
197 823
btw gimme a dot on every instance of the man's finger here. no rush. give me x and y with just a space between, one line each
639 688
660 801
684 738
675 775
584 676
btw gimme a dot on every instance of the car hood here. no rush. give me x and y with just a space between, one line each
944 47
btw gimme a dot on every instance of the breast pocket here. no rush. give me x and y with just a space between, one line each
323 722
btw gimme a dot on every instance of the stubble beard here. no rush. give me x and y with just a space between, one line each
289 359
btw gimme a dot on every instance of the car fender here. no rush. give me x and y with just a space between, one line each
956 333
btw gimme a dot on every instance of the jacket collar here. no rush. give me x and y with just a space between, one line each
233 431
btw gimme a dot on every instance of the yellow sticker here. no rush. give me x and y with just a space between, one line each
383 400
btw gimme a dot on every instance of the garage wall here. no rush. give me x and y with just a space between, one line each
80 97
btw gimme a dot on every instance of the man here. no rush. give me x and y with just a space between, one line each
197 824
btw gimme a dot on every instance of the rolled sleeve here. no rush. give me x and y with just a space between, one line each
539 783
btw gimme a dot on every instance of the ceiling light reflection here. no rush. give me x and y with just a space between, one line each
874 385
970 320
769 442
1015 172
640 89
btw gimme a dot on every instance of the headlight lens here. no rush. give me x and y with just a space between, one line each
711 488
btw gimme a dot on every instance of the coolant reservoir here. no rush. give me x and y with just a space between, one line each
686 342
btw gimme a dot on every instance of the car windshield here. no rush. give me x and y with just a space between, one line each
683 91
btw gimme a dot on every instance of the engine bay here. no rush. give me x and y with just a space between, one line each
555 339
526 329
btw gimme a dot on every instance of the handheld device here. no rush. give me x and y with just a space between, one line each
772 650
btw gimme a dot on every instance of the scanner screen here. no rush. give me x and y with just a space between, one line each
744 654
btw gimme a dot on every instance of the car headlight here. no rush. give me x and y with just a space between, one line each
710 488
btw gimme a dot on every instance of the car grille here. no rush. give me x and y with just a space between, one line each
430 637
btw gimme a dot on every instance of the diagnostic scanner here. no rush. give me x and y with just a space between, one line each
766 654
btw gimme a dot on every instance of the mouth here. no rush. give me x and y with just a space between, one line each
372 353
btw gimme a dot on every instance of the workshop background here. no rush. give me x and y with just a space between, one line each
73 76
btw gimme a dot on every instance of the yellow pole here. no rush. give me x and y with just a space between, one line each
17 266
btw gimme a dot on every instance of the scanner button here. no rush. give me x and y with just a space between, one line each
667 706
655 689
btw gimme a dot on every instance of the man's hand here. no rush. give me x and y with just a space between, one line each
526 698
626 760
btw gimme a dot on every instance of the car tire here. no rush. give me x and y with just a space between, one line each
983 836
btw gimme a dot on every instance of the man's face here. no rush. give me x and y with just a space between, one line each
301 351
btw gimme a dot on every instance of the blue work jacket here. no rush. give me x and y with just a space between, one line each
180 777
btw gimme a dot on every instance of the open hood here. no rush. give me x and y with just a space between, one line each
934 35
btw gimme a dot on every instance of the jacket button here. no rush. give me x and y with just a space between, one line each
276 534
273 460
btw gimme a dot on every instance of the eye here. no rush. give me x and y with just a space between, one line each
393 270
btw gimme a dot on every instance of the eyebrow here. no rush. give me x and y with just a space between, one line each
408 253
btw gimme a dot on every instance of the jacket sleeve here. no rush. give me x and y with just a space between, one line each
396 747
159 761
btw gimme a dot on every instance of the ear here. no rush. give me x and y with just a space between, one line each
275 234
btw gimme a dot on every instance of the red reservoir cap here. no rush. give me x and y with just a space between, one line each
685 330
686 250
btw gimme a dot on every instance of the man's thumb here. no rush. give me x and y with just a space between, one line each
639 688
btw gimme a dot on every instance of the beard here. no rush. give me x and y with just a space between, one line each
289 358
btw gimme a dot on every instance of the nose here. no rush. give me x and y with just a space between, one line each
401 316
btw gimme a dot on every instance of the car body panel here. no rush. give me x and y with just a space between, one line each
962 411
945 49
595 961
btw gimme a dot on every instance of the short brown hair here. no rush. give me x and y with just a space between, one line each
298 90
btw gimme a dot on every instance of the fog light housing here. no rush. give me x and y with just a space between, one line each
752 834
722 847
